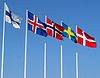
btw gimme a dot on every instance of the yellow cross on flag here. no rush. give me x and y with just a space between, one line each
69 33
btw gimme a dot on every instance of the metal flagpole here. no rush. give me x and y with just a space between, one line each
76 57
45 55
3 39
25 46
76 61
61 62
61 59
45 59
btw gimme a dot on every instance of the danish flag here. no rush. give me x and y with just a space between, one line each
54 29
85 39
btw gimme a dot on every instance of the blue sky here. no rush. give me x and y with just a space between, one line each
84 13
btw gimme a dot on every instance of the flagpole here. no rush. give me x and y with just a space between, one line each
45 55
76 61
61 59
3 39
45 59
25 60
76 57
61 62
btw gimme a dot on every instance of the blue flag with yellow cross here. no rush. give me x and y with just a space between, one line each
69 33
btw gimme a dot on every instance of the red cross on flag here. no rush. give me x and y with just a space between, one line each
53 29
85 39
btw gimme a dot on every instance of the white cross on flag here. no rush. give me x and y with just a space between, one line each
85 39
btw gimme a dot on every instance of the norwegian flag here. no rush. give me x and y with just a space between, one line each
35 25
54 29
85 39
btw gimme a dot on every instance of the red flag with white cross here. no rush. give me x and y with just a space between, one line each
85 39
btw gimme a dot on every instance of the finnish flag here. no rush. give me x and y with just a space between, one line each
12 18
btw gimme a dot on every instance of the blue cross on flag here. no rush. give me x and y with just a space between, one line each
12 18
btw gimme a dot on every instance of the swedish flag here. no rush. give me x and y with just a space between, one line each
69 33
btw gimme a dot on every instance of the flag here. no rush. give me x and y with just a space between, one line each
12 18
35 25
53 29
85 39
69 33
59 30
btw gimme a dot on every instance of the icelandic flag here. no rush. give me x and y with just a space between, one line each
35 25
12 18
